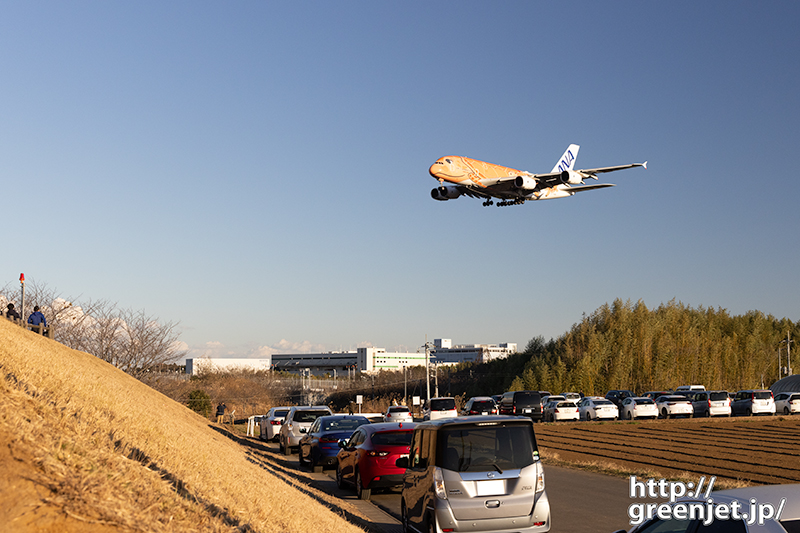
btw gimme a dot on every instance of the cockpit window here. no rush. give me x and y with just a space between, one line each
450 162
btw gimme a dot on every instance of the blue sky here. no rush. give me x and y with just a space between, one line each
257 171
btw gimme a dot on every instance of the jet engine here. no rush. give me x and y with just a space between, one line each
525 183
445 192
571 177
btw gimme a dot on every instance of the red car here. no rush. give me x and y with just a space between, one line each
367 459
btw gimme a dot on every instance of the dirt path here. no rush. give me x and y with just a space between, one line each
761 450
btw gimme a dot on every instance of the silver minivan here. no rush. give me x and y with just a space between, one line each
478 473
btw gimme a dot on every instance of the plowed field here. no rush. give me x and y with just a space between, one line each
754 450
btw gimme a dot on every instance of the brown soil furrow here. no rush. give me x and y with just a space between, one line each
762 460
693 464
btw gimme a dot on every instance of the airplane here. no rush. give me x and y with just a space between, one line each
478 179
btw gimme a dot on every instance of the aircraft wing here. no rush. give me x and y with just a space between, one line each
579 188
602 170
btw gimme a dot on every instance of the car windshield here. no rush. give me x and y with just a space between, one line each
484 449
443 404
308 416
347 424
717 396
392 438
762 395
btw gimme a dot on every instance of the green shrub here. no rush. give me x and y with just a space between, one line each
199 402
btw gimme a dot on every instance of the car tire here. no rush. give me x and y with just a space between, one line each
588 417
361 492
665 414
404 517
786 410
432 524
339 478
316 468
630 416
748 412
287 450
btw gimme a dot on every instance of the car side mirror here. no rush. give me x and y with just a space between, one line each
402 462
342 443
302 430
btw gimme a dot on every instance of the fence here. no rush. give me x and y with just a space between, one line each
41 329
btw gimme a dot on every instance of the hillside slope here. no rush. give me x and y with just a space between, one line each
85 447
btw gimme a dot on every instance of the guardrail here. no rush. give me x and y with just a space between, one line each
47 331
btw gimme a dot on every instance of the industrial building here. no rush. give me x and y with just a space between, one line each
207 364
442 352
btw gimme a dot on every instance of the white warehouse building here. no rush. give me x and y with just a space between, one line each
443 352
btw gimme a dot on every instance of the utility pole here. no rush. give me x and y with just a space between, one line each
428 367
788 342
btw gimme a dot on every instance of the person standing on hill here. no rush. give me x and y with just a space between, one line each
221 413
37 318
12 313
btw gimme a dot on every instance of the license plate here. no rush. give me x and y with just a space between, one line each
527 411
492 487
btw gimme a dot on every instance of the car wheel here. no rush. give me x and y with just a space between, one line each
749 412
361 492
339 478
432 524
314 466
630 416
664 413
786 410
287 450
588 417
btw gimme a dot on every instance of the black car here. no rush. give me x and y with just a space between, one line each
617 396
522 403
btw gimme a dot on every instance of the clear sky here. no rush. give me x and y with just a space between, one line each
258 171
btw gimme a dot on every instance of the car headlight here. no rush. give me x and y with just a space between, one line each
438 483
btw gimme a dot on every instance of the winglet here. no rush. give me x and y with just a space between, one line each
645 165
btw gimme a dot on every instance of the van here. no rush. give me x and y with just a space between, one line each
521 403
690 388
440 408
753 402
480 473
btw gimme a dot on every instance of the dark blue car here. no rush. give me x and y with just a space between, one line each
319 446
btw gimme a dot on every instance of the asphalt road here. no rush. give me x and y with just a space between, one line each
580 502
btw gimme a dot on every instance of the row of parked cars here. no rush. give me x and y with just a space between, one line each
480 473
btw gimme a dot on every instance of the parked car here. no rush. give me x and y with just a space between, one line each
271 424
551 398
690 388
787 403
525 403
479 473
440 408
653 394
789 519
367 460
319 446
479 405
597 408
711 403
635 407
398 413
616 396
574 397
671 405
296 424
753 402
558 410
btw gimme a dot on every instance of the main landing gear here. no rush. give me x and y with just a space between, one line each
511 202
488 202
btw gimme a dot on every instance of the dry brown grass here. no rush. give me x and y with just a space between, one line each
110 451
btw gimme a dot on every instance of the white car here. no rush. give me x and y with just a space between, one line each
787 403
597 408
398 413
674 405
711 403
635 407
440 408
271 424
573 397
558 410
296 425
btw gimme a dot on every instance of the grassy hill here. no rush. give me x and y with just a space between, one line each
85 447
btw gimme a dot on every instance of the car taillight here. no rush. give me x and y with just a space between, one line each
388 415
373 453
275 422
473 412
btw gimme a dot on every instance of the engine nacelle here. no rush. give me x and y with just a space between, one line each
525 183
445 193
571 177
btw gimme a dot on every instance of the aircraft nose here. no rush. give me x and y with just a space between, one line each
435 169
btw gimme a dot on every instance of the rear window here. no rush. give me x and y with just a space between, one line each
717 396
392 438
645 401
485 449
399 409
343 425
602 402
762 395
281 413
795 397
483 406
527 398
443 404
309 416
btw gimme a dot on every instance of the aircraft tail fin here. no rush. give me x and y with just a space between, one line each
567 160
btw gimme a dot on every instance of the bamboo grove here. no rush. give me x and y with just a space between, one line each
628 346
